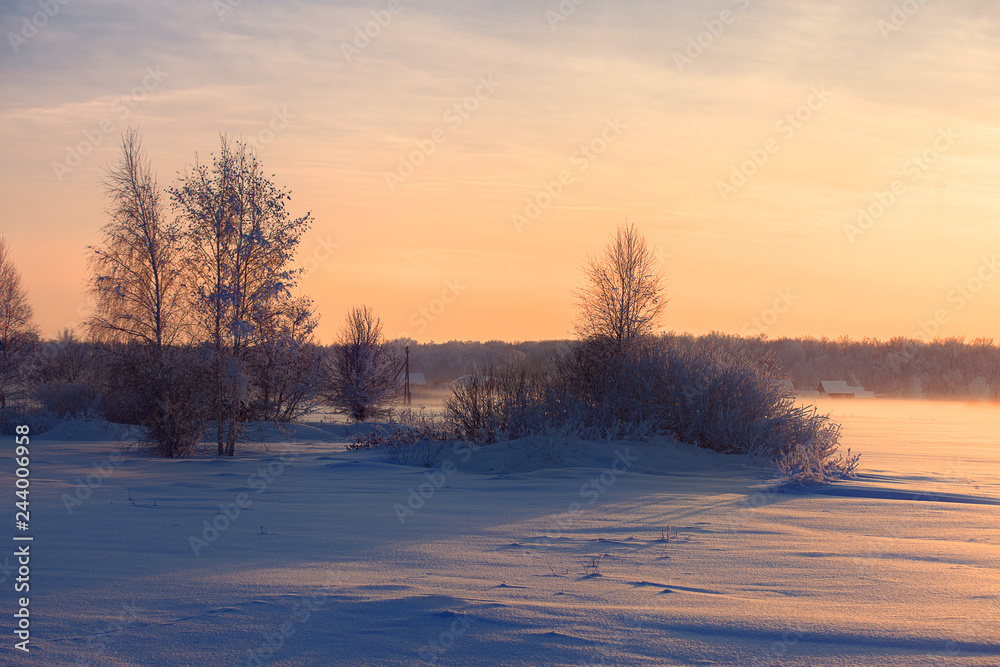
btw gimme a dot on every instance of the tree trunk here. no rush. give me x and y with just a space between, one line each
165 412
218 383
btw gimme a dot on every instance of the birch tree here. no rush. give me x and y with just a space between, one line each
362 373
240 241
284 361
623 296
137 281
17 330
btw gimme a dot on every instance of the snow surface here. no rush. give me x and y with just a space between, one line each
533 553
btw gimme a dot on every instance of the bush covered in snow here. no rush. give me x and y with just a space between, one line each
12 416
499 402
708 392
412 439
362 372
131 389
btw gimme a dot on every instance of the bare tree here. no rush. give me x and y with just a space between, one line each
623 297
63 359
240 240
363 370
138 285
18 334
64 376
284 361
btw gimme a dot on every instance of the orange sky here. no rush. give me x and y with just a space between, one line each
423 155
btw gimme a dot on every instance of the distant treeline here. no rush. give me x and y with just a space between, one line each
445 362
900 367
68 376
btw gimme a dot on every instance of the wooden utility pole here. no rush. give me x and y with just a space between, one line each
406 391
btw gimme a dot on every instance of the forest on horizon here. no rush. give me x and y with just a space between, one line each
948 368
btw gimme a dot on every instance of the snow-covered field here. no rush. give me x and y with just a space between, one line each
536 553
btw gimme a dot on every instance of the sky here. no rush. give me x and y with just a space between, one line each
799 168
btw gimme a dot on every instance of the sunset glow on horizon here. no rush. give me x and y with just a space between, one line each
800 168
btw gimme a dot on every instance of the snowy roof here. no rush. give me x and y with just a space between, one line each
836 387
841 388
417 378
463 381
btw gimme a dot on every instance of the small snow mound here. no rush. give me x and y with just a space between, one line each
341 432
88 430
657 456
272 432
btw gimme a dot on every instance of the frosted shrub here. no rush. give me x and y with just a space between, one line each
61 377
12 416
173 420
731 402
68 399
360 374
716 394
414 439
501 402
805 464
712 393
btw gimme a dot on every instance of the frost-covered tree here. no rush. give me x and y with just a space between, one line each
138 285
240 243
284 361
623 297
362 371
18 334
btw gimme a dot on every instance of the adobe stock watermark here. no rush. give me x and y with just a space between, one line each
32 25
453 117
229 513
302 611
592 490
278 123
914 167
959 298
956 474
97 644
777 652
365 34
604 651
225 7
323 251
85 486
899 17
563 11
84 310
581 160
121 107
880 545
661 255
769 316
430 652
714 29
786 127
424 316
980 628
738 518
436 479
